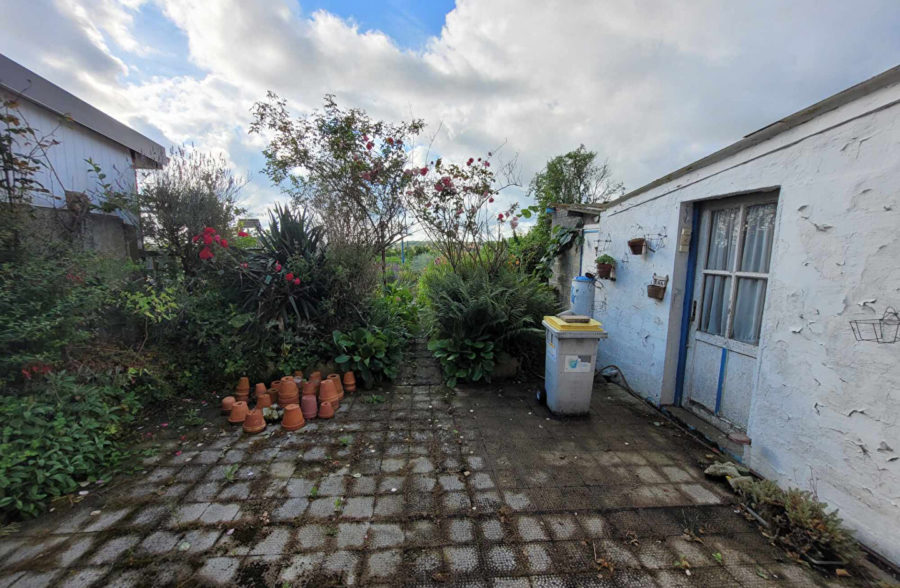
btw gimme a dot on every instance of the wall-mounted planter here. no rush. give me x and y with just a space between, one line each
657 289
637 245
604 270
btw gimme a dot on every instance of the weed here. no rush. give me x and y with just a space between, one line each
313 492
345 440
374 399
192 418
230 471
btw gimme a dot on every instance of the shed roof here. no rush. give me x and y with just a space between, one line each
23 82
882 80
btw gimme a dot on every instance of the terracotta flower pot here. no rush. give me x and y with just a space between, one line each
243 385
326 410
349 382
328 393
255 422
227 404
310 388
637 245
259 389
315 376
309 405
238 412
293 418
298 374
274 388
604 270
263 401
289 393
337 384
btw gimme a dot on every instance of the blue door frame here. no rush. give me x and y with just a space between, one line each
686 307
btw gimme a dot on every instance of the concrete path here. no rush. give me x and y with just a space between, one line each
478 488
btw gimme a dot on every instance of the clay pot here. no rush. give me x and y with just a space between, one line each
259 389
315 376
254 423
328 393
337 384
263 401
289 393
349 382
604 270
293 418
227 403
274 388
239 412
309 405
243 385
326 410
637 245
310 388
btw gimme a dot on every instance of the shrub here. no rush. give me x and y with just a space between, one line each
51 442
372 354
466 360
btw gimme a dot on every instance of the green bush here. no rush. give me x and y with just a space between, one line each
372 354
472 304
467 360
69 433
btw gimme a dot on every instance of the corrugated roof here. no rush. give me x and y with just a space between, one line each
23 82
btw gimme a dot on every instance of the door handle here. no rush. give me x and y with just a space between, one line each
693 310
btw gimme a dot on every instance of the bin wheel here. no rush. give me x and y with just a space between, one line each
541 396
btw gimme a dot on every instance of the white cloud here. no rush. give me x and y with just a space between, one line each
649 84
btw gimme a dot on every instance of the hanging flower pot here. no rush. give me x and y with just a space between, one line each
263 401
349 382
657 292
255 422
293 418
637 245
337 384
326 410
328 393
227 404
238 412
309 405
310 388
605 265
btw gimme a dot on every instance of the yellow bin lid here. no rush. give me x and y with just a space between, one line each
562 325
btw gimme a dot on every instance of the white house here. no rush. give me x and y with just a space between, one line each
770 247
83 132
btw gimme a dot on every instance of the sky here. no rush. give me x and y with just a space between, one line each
650 85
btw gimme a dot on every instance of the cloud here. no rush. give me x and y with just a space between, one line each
651 84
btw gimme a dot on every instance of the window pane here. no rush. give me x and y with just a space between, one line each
714 312
722 239
758 238
748 307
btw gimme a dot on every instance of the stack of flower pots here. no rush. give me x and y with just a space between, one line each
227 404
263 400
309 404
349 382
242 390
328 394
289 393
258 390
337 384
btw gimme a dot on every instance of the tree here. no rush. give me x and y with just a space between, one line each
350 169
193 191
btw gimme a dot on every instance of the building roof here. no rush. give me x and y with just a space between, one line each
580 208
882 80
23 82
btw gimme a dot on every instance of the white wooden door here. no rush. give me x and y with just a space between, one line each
734 253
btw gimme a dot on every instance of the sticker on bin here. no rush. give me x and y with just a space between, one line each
578 363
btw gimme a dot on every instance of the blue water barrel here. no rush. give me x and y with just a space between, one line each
582 299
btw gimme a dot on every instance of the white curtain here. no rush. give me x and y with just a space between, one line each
723 239
751 293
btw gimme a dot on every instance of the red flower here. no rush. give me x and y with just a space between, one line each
487 164
245 265
500 216
277 267
289 277
207 239
369 145
243 234
296 281
390 141
209 230
205 253
471 160
491 199
218 238
195 238
423 171
224 243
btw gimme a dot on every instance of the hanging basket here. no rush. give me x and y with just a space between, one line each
637 245
604 270
883 330
654 291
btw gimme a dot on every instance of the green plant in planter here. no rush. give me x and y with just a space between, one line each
373 354
606 259
466 360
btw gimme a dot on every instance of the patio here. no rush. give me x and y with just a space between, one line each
479 488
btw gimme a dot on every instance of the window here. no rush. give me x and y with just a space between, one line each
736 271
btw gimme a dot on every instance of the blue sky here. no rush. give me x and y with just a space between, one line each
650 85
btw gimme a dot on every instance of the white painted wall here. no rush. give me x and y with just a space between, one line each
825 413
69 168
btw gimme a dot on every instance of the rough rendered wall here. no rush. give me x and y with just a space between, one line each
825 412
565 266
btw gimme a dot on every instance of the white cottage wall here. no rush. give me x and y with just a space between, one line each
825 411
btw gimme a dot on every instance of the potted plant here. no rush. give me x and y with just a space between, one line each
637 245
605 265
